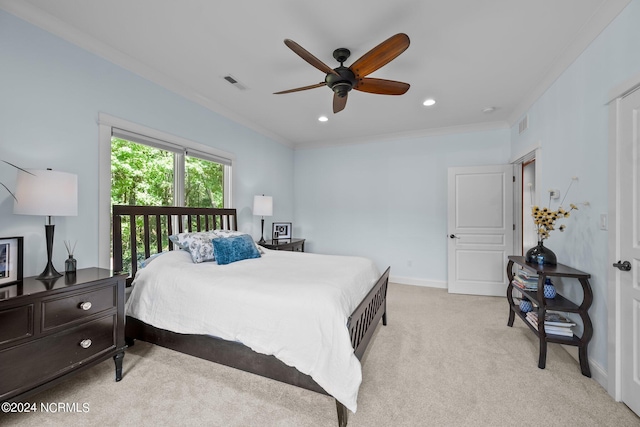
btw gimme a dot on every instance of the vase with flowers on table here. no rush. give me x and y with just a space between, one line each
544 219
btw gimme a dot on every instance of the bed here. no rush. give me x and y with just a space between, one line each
146 231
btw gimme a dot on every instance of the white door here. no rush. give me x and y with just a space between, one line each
629 170
480 229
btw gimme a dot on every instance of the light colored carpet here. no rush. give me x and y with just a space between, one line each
443 360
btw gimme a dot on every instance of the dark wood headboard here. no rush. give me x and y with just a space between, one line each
148 228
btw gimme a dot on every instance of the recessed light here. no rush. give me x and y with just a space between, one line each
488 110
323 119
429 102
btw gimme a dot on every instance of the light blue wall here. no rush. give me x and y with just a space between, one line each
570 121
50 95
388 200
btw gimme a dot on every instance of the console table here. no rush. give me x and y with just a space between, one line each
559 303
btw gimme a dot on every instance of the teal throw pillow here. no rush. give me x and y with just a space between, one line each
232 249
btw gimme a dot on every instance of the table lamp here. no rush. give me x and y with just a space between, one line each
48 193
263 206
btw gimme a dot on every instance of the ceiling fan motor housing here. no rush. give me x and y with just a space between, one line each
343 83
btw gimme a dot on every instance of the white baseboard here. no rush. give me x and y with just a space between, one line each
597 372
442 284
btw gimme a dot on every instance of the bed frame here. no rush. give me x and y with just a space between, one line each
160 222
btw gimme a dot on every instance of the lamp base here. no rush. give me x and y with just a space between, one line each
262 233
49 271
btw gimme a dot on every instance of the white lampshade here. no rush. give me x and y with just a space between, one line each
46 193
263 205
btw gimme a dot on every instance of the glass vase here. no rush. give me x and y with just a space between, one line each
70 265
540 254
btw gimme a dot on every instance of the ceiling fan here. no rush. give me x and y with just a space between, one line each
342 79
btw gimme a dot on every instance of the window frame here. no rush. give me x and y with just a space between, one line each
112 126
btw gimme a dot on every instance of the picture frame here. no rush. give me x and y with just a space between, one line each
11 260
281 230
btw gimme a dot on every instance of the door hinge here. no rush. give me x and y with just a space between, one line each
514 178
514 227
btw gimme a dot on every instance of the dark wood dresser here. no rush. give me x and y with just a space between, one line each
52 329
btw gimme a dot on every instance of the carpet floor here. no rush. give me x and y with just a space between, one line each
442 360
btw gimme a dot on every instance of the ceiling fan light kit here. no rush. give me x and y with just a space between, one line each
342 79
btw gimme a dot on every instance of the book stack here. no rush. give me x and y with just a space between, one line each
554 323
525 280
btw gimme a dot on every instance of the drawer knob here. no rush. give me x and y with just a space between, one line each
85 343
85 305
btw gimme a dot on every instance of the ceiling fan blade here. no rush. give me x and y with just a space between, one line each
380 55
301 88
304 54
381 86
339 103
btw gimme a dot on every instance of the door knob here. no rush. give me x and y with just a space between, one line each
453 236
623 266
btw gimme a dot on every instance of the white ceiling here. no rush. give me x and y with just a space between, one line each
467 54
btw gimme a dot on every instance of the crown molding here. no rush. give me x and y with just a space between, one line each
55 26
450 130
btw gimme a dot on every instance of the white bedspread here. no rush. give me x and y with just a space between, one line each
294 306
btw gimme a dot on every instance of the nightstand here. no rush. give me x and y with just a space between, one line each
296 245
54 329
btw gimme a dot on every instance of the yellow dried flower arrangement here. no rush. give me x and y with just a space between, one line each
545 218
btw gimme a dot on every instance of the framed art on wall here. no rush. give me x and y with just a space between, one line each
11 249
281 230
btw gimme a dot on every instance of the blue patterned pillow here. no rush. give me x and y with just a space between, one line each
231 249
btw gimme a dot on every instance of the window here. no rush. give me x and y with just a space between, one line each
145 166
150 172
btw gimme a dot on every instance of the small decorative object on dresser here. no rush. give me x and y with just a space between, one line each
70 263
56 329
10 260
281 230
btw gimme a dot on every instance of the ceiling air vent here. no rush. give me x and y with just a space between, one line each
524 124
234 82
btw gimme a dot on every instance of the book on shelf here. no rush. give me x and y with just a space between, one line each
551 330
556 328
526 274
553 318
527 284
524 279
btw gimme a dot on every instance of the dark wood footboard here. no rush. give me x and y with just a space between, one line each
364 319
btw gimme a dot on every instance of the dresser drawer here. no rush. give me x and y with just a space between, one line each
16 323
69 308
25 366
